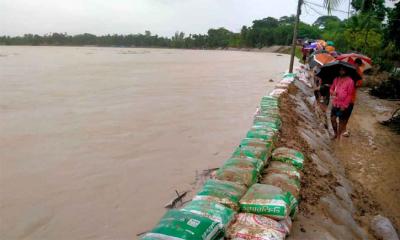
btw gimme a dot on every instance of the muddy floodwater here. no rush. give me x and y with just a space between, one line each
94 141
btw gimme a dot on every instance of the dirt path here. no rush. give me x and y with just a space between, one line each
371 155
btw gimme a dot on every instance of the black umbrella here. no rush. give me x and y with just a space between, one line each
330 71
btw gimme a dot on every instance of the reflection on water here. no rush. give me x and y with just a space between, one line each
94 141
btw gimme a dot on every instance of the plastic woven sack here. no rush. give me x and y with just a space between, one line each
277 92
262 134
287 224
272 125
246 177
223 192
249 151
283 168
251 226
268 200
283 181
267 118
255 142
245 163
268 113
289 155
184 225
212 210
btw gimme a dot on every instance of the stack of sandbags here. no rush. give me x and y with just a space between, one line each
234 204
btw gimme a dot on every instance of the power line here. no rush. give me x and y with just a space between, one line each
321 6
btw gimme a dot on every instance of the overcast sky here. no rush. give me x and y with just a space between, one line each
163 17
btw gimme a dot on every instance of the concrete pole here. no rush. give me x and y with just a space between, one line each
296 27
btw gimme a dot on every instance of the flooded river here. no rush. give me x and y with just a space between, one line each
94 141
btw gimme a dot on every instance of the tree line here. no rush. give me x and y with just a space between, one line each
264 32
373 30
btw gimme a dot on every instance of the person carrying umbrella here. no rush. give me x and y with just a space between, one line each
341 91
342 77
359 65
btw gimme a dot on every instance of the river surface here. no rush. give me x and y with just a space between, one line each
95 141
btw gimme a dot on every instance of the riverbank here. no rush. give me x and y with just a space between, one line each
339 202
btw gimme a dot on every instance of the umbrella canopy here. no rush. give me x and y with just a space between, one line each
323 58
322 42
330 71
351 58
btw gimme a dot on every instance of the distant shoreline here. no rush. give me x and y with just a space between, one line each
271 49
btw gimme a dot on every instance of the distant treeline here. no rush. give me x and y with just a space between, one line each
373 30
264 32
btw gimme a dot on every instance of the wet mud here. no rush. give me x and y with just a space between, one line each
332 206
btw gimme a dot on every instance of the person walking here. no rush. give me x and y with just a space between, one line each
360 71
341 91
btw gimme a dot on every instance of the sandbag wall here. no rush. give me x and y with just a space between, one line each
254 195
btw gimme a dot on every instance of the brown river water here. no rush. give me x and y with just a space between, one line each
94 141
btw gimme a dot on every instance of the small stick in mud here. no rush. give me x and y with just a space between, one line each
142 233
174 201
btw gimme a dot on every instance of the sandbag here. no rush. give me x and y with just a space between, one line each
267 118
268 200
288 155
287 224
256 142
262 134
283 168
176 225
246 177
245 163
283 181
277 92
251 226
212 210
249 151
223 192
275 127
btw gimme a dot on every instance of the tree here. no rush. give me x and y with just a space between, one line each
219 37
323 21
377 7
393 33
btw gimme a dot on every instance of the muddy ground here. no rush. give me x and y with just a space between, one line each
334 203
371 155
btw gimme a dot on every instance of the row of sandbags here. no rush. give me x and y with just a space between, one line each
253 195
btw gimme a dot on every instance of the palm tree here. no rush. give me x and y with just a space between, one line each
328 4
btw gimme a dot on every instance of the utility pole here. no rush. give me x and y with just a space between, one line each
348 9
296 28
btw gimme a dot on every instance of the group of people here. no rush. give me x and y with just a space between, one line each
341 92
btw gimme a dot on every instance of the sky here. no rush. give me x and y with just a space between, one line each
162 17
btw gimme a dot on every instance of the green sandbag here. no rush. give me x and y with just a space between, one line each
269 100
289 155
275 127
268 200
223 192
266 118
245 163
249 151
264 128
262 134
184 225
283 168
212 210
246 177
256 142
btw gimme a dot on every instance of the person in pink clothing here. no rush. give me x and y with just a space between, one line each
341 91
